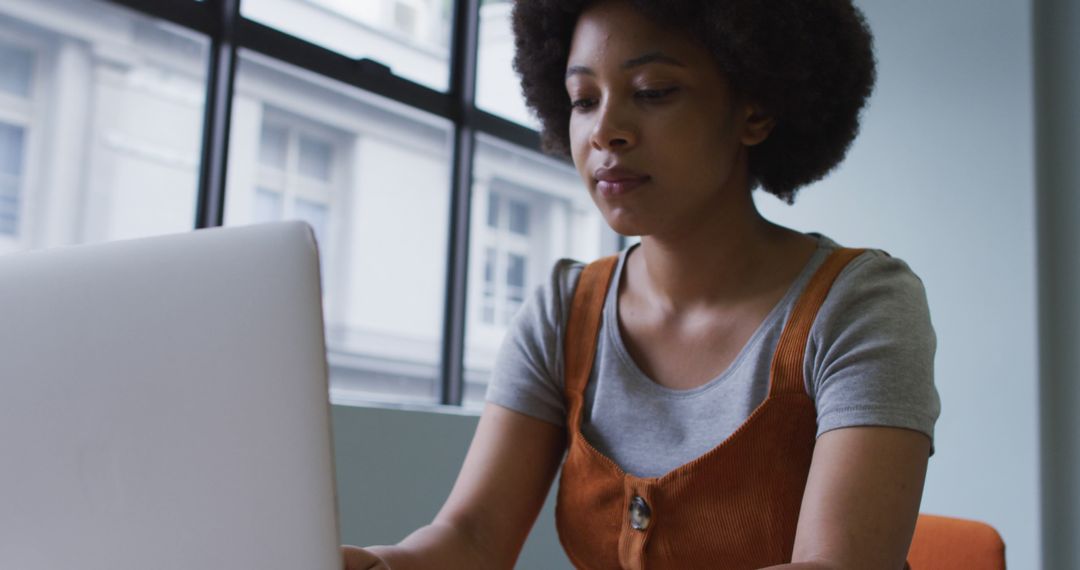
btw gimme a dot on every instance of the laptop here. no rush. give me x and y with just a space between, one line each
164 404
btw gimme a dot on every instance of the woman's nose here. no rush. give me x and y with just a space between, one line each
613 129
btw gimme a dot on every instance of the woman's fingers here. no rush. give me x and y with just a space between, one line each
360 559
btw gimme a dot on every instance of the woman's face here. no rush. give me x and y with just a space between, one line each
655 132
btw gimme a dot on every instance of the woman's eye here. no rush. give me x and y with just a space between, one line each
582 104
654 94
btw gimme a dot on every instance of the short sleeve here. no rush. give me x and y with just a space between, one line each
870 356
527 377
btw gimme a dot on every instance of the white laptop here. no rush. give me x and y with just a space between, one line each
164 404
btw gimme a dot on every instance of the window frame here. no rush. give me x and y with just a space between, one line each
229 32
26 113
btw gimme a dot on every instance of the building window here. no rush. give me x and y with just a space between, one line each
16 71
16 82
12 143
405 16
506 257
296 177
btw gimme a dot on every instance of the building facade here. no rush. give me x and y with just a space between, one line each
101 115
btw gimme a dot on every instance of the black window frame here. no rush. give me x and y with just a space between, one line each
228 32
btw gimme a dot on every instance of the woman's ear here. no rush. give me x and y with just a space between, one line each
757 125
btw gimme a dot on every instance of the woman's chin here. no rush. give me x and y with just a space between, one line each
625 223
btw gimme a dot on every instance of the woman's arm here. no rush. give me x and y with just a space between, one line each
862 499
499 492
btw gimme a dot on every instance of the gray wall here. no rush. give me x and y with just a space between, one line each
395 467
942 176
1057 88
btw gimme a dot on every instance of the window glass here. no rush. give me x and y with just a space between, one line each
493 211
372 179
11 161
273 146
519 217
316 214
16 70
497 88
529 211
11 149
412 37
101 111
316 157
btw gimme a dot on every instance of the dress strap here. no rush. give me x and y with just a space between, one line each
786 373
583 327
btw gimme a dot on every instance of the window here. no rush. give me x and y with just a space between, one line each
528 211
16 115
16 71
506 254
296 178
117 97
412 37
372 178
103 118
12 149
497 89
405 18
16 82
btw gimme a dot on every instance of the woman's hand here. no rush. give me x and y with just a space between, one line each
360 559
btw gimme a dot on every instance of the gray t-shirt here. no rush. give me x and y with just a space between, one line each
869 361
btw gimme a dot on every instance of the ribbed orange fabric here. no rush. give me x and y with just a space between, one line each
734 507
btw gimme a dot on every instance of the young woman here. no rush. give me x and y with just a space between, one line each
729 393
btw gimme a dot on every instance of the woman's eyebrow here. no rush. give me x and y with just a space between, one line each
651 57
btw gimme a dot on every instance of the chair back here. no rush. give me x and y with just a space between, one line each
947 543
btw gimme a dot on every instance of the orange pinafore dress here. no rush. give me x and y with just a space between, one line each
734 507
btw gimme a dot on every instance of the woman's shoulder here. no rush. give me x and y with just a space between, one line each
870 356
876 276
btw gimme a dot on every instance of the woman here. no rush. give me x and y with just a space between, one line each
729 393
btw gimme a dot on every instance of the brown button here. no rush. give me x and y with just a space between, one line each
640 513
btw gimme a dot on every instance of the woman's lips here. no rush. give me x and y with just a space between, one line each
611 182
612 188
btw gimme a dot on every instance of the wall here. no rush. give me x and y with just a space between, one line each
942 176
395 467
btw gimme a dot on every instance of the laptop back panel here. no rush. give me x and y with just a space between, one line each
163 403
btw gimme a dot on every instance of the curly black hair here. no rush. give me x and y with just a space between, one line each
808 63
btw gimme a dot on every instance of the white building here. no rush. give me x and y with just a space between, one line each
101 114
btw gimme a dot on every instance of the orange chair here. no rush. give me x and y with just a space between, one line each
946 543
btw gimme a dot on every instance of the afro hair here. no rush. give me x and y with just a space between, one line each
808 63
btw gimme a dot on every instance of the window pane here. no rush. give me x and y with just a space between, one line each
315 158
11 149
268 206
316 215
273 146
493 211
412 37
551 217
16 70
519 217
372 178
9 205
112 148
497 88
515 270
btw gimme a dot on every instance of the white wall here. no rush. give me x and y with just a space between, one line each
943 177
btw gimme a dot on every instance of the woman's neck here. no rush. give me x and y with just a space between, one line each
720 261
